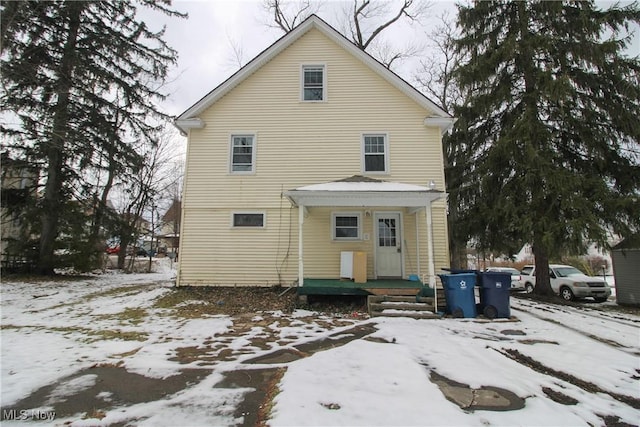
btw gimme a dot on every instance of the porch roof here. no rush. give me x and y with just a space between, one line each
364 192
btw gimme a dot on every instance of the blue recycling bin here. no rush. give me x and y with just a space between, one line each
459 293
494 294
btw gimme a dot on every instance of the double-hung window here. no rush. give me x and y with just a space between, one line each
243 153
375 153
346 226
314 83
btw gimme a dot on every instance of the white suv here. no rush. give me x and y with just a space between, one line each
516 277
569 282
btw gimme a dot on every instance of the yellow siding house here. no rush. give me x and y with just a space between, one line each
313 162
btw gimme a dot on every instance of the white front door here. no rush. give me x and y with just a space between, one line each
388 245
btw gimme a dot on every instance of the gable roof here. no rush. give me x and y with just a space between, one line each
174 211
631 242
189 119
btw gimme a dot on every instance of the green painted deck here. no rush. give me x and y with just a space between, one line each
348 287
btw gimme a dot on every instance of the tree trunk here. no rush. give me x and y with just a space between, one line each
457 255
53 198
100 206
125 239
543 281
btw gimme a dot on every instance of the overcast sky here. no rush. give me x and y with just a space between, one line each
205 42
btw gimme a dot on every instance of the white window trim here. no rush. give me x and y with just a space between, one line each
254 135
387 170
333 226
235 227
324 81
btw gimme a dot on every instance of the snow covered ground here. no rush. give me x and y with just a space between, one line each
52 331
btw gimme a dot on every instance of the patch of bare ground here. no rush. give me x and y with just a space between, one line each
255 408
613 421
585 385
271 391
556 396
253 315
33 278
195 301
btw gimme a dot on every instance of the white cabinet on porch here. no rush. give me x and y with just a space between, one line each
353 265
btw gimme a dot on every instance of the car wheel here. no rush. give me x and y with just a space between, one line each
566 294
528 287
600 299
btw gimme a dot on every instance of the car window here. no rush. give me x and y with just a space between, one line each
527 270
511 271
567 271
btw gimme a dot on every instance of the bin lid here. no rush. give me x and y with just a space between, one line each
461 271
469 279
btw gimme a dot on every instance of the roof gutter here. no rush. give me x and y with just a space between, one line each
444 123
363 198
184 125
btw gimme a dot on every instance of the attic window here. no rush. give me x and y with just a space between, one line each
313 83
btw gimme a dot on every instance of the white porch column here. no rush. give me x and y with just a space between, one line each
418 271
432 264
300 246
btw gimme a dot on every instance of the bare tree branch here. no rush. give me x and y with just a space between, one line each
357 11
286 15
435 77
389 54
235 59
374 34
412 10
363 21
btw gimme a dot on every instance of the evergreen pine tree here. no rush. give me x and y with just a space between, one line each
82 77
553 123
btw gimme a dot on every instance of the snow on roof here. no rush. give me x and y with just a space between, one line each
358 190
364 183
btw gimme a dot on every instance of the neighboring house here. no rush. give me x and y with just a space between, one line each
143 232
626 267
18 182
312 150
525 254
169 236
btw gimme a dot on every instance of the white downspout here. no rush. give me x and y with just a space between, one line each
432 266
300 246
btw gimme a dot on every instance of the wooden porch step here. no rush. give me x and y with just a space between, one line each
393 291
398 298
401 306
